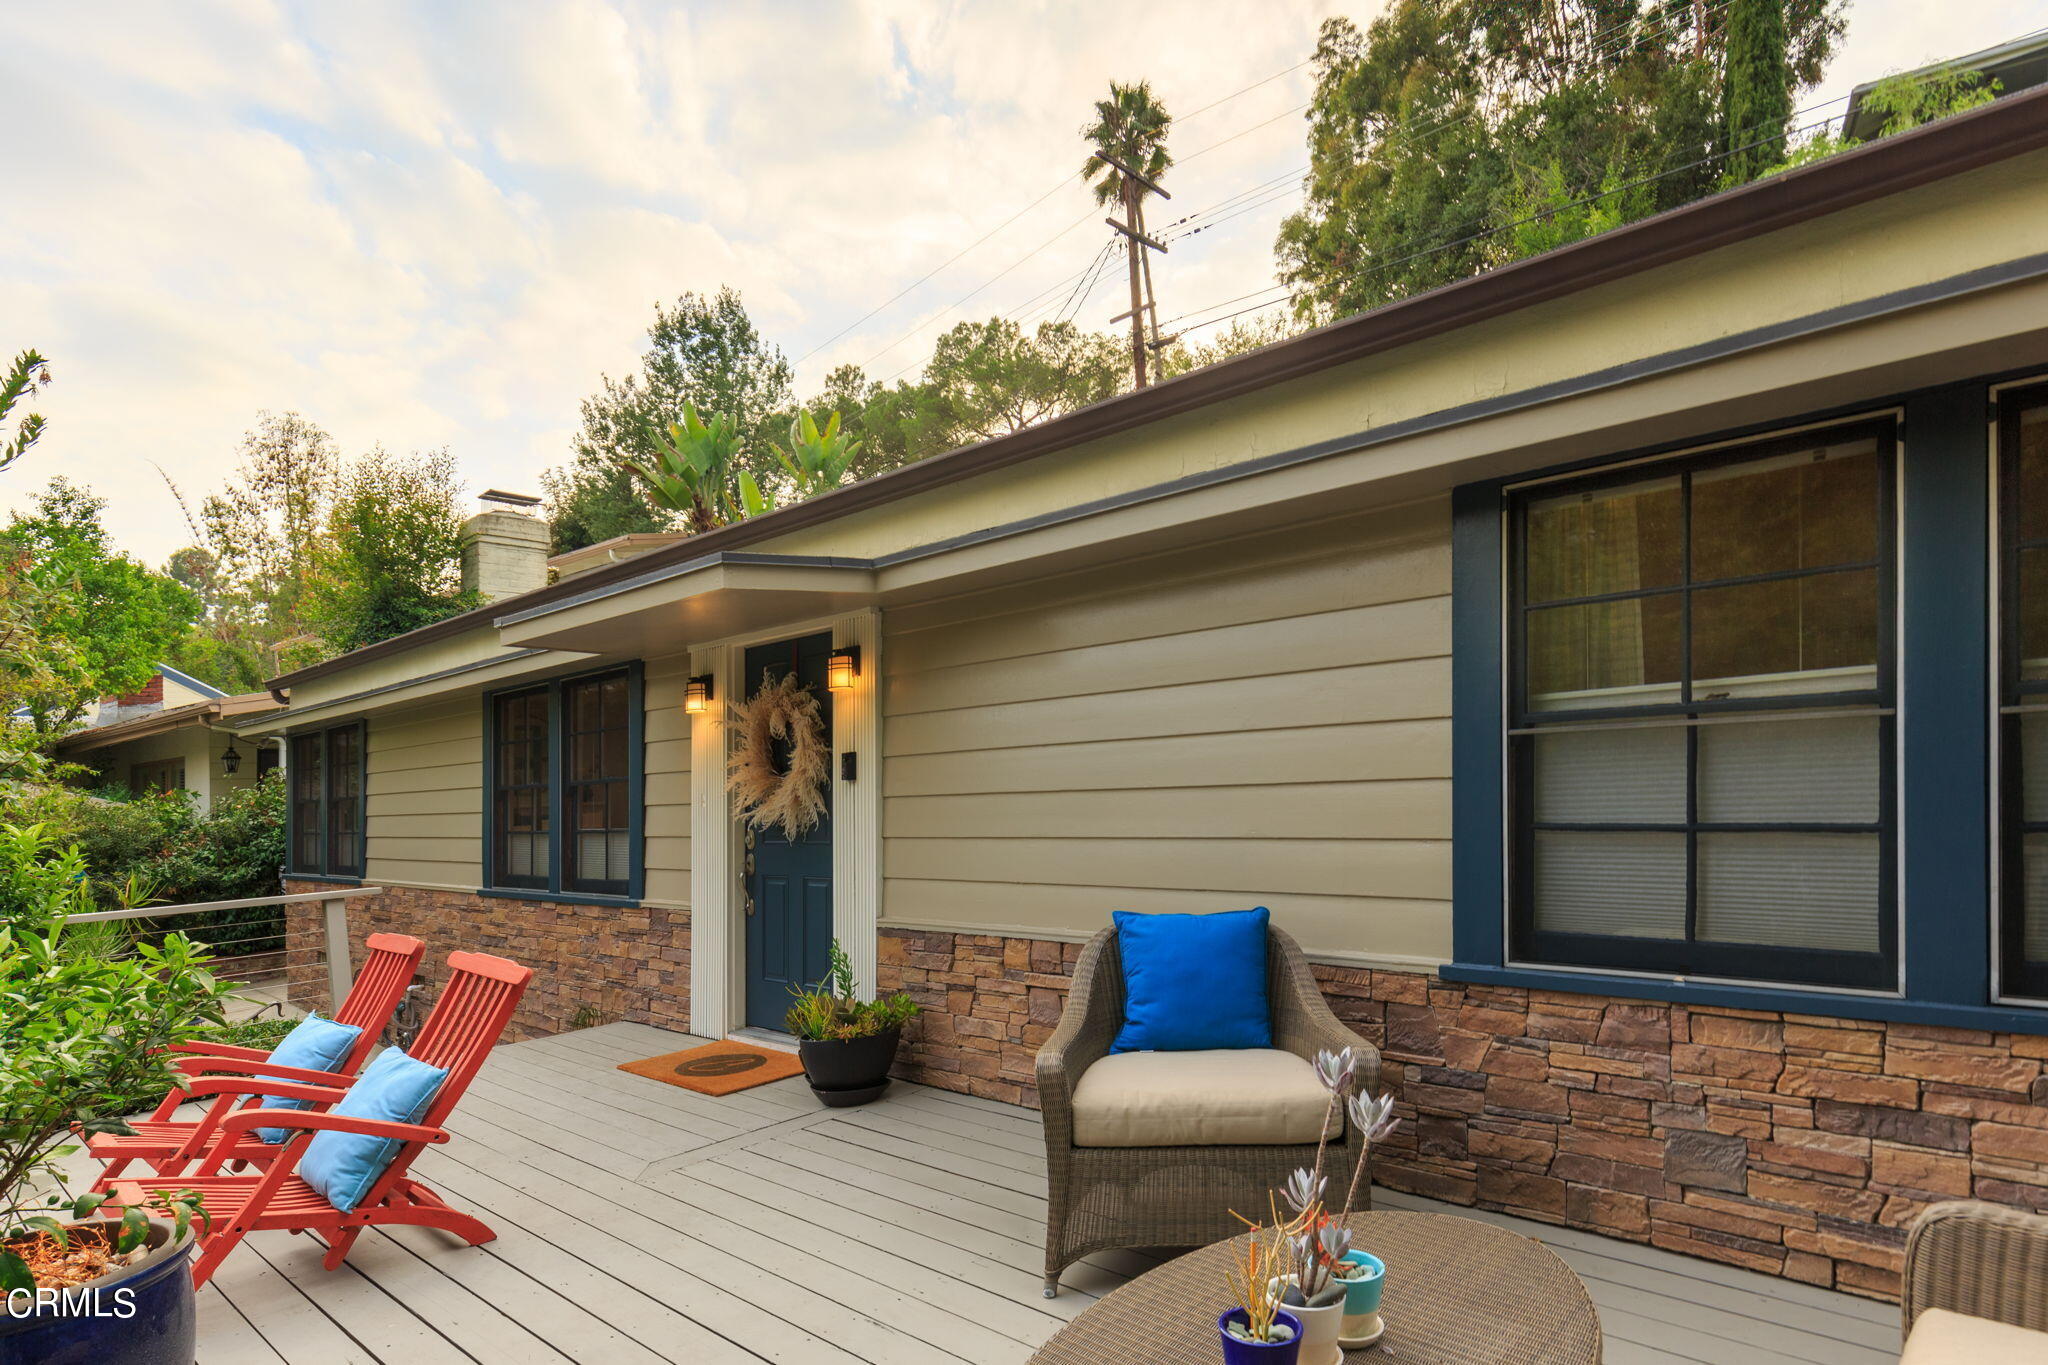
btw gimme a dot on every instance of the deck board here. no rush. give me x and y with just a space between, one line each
644 1224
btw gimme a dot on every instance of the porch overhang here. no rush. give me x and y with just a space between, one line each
701 600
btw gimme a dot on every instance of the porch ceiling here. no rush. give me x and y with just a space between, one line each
721 596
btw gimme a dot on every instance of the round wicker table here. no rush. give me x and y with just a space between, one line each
1459 1292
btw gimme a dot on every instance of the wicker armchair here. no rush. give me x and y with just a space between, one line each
1981 1260
1104 1197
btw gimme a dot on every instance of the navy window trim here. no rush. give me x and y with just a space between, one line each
323 865
553 791
1943 806
2020 976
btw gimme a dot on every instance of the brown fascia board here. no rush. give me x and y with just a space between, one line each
2005 128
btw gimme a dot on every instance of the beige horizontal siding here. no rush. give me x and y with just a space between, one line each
1260 721
424 784
666 791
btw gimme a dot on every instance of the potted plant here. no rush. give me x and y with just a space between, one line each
1315 1282
847 1044
84 1039
1256 1330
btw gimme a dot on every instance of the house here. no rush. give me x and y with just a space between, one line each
175 733
1618 670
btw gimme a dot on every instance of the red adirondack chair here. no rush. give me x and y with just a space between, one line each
464 1025
167 1145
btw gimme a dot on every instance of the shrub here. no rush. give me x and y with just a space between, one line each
81 1035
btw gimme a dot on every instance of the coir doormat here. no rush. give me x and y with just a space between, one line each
719 1068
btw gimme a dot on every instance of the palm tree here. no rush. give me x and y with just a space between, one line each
1129 128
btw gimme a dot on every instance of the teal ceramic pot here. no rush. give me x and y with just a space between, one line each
1362 1296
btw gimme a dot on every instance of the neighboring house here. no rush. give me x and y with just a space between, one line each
1620 671
175 734
2015 66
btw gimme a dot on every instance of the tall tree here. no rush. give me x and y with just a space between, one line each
1435 133
391 558
28 373
992 378
1756 100
308 553
704 351
264 532
1128 138
89 621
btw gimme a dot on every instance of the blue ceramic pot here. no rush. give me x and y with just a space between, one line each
142 1314
1236 1352
1363 1295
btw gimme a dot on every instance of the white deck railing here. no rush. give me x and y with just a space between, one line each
254 950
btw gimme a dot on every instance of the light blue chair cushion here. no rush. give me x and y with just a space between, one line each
1193 982
343 1166
315 1045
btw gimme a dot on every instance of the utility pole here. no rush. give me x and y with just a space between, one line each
1144 312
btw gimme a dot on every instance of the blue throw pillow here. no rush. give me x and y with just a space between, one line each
315 1045
343 1166
1193 982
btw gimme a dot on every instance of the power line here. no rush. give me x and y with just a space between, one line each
1056 188
1438 247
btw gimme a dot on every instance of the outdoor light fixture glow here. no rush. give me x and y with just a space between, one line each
842 668
697 695
230 760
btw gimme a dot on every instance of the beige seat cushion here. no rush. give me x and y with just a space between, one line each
1944 1338
1244 1097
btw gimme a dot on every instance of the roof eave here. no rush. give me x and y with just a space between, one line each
1998 131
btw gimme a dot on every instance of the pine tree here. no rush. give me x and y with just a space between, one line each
1756 92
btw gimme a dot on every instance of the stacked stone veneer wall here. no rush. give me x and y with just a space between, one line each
1791 1144
592 964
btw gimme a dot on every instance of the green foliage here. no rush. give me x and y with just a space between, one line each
1904 102
391 558
988 379
158 839
308 553
81 1036
1756 99
29 372
817 459
832 1010
1131 125
695 470
89 621
1449 120
704 352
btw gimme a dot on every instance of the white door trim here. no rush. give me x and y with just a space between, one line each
717 928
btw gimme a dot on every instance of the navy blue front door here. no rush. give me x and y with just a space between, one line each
787 882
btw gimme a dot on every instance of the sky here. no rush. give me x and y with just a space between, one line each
438 225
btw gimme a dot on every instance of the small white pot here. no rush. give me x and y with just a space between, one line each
1319 1326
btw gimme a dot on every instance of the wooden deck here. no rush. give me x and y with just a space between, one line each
641 1223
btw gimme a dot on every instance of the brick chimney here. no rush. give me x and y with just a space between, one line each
504 547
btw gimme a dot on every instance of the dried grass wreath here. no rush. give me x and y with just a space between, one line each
763 795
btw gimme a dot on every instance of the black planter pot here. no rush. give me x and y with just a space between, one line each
141 1314
850 1072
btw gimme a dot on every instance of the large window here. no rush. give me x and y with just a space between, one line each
326 810
1701 728
565 777
2023 685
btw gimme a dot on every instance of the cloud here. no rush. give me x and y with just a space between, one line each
438 225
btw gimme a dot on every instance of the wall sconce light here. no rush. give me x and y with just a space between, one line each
230 759
842 668
697 695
